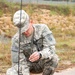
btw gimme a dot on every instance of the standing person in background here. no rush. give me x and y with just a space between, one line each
37 48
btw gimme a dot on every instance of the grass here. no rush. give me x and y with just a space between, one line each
65 42
5 53
61 9
1 12
66 51
55 9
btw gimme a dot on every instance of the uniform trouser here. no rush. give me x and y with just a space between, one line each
47 66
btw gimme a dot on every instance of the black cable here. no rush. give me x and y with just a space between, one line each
19 38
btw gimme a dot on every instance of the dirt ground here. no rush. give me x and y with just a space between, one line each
65 69
69 71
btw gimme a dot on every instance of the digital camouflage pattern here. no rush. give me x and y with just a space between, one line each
42 41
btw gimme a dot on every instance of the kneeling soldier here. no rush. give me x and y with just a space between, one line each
37 48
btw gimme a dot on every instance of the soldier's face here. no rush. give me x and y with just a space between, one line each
29 31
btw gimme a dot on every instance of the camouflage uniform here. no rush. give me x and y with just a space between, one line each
42 41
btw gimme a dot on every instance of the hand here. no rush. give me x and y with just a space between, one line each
34 57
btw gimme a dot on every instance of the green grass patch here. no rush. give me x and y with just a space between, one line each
53 13
55 9
65 42
1 12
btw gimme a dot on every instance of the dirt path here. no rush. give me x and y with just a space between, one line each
69 71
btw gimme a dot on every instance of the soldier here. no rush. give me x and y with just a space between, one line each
37 48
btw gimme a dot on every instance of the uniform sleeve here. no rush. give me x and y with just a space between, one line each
22 61
15 51
48 43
